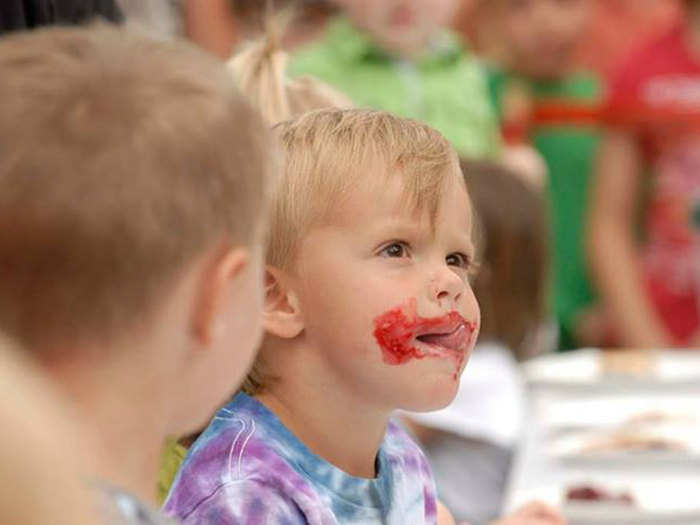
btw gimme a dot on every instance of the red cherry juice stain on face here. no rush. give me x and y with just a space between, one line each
396 332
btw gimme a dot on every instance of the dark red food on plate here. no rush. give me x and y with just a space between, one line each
597 494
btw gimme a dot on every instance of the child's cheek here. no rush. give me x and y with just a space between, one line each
394 331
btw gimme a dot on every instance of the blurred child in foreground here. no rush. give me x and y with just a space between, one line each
470 443
645 219
132 201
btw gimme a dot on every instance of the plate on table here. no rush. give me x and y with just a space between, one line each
591 504
665 502
593 368
623 429
667 443
631 411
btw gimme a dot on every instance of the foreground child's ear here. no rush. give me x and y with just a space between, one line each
282 314
211 309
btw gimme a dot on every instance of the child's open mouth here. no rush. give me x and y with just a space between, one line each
454 338
404 335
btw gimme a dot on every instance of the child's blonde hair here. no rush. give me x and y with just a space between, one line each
121 160
330 151
260 68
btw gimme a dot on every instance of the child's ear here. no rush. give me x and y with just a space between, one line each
211 307
282 314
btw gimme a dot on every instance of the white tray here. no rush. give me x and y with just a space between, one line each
581 369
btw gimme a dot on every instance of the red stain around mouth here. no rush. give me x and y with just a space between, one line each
396 331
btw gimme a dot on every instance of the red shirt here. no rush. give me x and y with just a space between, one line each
656 96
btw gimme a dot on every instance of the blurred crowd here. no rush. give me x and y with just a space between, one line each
577 126
537 85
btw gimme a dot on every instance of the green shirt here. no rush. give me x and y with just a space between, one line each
569 151
446 89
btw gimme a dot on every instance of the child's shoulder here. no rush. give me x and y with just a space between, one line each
240 463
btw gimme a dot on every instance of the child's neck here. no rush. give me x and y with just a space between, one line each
125 432
330 422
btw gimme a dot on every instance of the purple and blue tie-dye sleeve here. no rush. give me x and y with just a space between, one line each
246 502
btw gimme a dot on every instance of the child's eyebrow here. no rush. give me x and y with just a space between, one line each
467 243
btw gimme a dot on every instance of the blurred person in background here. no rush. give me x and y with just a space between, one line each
645 218
618 26
220 26
397 55
211 24
539 42
470 444
16 15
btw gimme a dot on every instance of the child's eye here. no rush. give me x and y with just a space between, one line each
458 259
395 249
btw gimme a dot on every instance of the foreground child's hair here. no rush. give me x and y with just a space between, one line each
114 175
512 283
328 152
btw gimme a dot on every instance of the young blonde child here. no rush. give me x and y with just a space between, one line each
368 309
132 194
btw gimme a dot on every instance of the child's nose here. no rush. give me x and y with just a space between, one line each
446 287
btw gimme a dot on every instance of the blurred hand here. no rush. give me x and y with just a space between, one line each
444 516
593 326
527 163
535 513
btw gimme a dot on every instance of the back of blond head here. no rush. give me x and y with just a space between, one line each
260 70
122 160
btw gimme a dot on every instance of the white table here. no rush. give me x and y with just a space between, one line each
538 475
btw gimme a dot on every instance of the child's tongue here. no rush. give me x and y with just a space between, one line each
454 340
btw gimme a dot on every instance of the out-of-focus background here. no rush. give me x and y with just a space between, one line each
578 124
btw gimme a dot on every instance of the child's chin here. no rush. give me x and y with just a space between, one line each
439 396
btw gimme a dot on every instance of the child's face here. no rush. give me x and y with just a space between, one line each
401 26
386 299
543 34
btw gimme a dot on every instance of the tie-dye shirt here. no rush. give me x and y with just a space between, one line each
247 467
